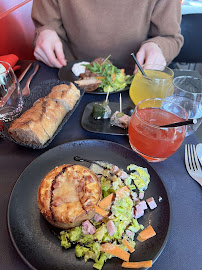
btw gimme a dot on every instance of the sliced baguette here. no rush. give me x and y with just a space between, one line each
38 124
66 95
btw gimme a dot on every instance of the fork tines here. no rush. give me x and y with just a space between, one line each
192 163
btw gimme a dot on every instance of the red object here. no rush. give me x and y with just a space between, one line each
16 28
1 126
12 59
153 141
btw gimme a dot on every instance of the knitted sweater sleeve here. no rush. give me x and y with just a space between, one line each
46 15
165 28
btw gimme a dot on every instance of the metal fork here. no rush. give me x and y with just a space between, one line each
192 164
26 89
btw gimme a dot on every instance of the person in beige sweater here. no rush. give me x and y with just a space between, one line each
68 30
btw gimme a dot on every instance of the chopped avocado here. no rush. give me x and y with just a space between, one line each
64 240
140 176
80 251
75 234
99 263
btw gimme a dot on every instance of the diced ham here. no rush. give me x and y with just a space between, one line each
139 212
98 217
135 198
141 195
120 119
56 185
88 228
111 227
130 234
123 175
143 205
115 169
151 202
57 202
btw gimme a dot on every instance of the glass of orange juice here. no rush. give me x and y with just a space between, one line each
158 87
147 137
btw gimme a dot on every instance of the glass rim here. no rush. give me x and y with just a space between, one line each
9 67
158 65
153 125
183 90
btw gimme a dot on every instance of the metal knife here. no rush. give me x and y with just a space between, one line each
24 72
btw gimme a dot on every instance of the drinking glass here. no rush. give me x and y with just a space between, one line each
11 101
147 137
158 87
187 92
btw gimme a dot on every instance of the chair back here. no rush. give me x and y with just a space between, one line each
16 28
191 51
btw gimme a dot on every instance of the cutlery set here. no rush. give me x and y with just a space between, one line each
26 89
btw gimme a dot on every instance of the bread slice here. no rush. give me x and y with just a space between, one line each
67 95
67 195
38 124
28 128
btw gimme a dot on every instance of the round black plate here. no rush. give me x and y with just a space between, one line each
35 239
65 73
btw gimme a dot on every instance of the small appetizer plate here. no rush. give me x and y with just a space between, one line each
103 125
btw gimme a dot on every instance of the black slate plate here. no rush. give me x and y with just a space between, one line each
103 125
34 238
41 90
65 73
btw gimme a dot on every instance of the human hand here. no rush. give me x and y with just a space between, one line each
150 53
49 49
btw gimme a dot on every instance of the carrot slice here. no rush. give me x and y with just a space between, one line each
127 244
146 234
123 71
113 77
122 191
142 264
101 211
107 201
115 250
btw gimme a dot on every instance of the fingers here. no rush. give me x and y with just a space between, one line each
60 54
154 58
49 49
52 58
40 55
150 53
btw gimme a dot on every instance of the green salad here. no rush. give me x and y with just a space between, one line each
113 78
121 213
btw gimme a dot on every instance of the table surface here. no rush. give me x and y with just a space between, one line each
184 246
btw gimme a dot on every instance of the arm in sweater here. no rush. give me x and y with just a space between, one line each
46 15
165 28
